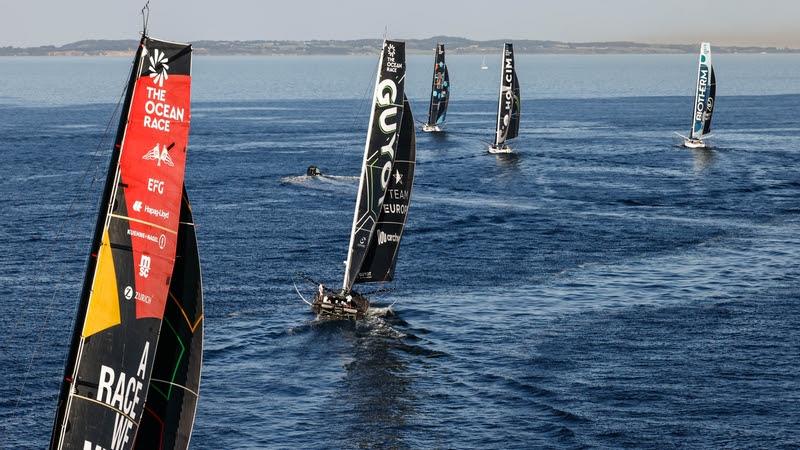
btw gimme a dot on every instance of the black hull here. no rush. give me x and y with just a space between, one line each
336 306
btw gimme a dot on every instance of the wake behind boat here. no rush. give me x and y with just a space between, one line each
384 192
703 107
508 104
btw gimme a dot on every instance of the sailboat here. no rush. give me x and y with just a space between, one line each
440 93
703 107
508 103
384 191
483 64
123 386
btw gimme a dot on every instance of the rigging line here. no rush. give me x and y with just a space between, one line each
57 238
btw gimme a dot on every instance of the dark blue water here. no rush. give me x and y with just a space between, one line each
600 288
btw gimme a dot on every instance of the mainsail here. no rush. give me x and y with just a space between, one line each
704 94
174 386
379 154
508 104
132 257
380 260
440 89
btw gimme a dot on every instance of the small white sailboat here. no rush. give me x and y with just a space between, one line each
703 107
508 104
483 64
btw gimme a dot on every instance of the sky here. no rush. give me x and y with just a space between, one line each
723 22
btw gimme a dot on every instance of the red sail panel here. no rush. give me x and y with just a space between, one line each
110 364
151 173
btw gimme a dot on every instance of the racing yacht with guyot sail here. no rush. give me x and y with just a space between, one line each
440 93
384 191
508 103
703 106
124 387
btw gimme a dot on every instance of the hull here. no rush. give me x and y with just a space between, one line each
499 150
340 306
431 128
694 143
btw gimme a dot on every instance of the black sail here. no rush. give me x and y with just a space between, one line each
382 255
509 102
712 93
379 154
175 382
440 89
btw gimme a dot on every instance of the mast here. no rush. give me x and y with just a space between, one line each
379 154
125 287
381 257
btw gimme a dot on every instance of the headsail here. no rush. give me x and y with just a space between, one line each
131 261
702 109
379 154
509 102
712 93
379 263
174 386
440 89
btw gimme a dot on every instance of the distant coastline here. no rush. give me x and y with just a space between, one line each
455 45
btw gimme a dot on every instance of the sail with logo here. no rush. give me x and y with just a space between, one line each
139 259
703 106
440 93
508 103
384 191
175 381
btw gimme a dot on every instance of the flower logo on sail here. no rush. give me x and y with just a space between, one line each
158 67
159 155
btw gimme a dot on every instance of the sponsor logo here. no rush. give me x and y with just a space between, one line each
383 238
128 292
154 185
398 177
160 155
158 67
160 240
144 266
137 206
144 298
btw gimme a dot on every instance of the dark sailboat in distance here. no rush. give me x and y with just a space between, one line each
142 272
703 106
440 93
384 191
508 103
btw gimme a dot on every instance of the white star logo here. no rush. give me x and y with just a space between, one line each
390 50
398 177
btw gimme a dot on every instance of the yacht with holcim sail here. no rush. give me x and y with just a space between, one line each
703 106
440 93
133 369
508 103
384 191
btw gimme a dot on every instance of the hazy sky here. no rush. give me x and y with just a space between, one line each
723 22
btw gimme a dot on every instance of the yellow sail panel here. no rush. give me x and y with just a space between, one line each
103 310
